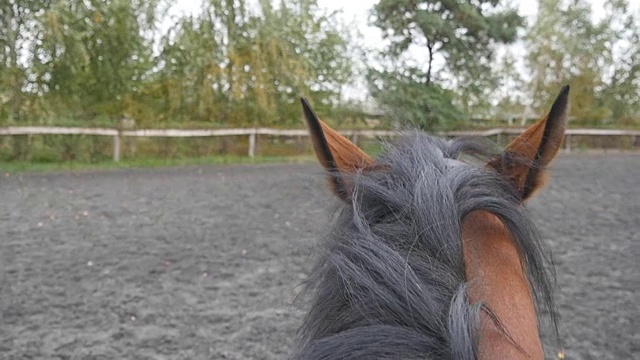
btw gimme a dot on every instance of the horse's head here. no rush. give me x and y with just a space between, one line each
523 161
460 212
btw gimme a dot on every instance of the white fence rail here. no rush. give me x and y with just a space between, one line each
252 133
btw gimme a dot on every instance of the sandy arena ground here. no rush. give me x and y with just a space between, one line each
204 262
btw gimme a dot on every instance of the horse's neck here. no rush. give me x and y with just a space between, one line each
496 278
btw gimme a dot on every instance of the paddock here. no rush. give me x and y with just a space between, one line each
205 262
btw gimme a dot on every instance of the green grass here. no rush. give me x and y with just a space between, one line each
26 166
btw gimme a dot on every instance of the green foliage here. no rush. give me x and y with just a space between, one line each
253 79
409 99
460 32
512 101
18 19
621 93
93 54
17 167
567 47
245 63
231 65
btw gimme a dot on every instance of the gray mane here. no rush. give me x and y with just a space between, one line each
390 282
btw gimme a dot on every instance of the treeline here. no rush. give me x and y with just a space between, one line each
600 59
232 65
246 62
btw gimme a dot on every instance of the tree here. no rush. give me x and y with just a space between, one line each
409 100
255 76
621 94
17 21
511 101
462 33
91 55
568 47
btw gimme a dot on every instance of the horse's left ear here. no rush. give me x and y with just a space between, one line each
337 154
525 158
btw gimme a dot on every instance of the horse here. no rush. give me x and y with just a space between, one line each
432 254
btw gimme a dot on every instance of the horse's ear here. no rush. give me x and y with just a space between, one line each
525 158
337 154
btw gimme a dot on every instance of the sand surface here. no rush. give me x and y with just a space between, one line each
204 262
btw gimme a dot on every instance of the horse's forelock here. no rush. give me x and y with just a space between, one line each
394 258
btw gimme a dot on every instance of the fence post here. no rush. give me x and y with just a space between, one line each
354 138
116 147
567 143
252 143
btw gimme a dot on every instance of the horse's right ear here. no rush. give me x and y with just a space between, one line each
337 154
524 160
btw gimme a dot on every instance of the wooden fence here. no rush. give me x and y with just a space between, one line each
252 133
